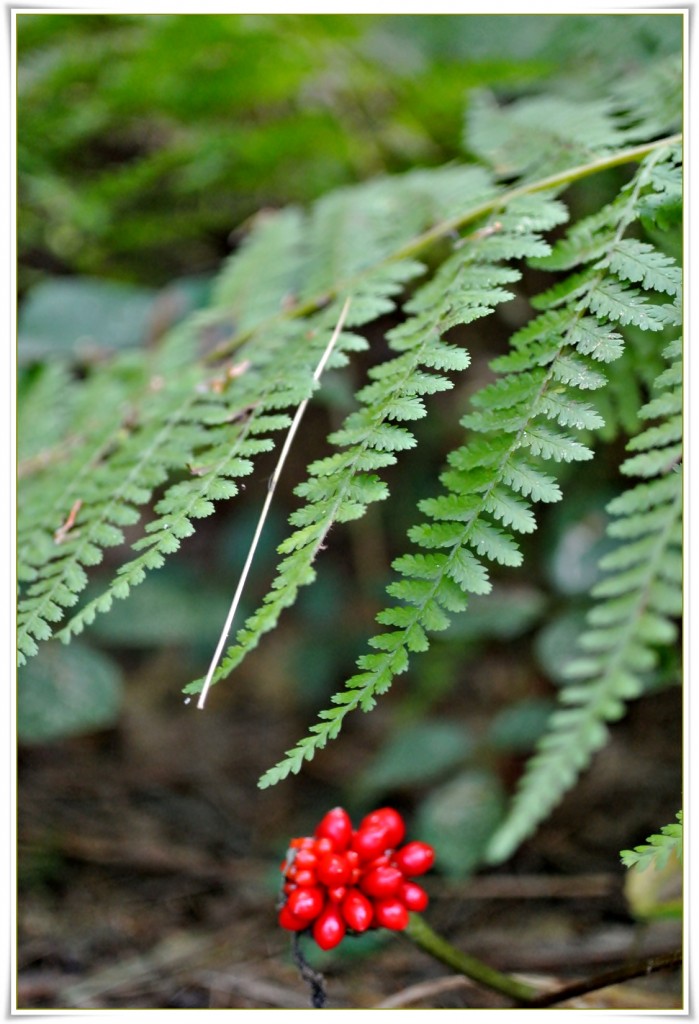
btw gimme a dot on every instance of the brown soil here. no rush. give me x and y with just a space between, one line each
148 866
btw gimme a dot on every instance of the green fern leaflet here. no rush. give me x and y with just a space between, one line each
660 847
638 603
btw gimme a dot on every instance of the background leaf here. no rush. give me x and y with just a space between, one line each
459 817
67 691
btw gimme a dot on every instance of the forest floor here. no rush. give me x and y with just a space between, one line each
148 869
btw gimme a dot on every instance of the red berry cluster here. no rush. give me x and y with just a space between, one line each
344 880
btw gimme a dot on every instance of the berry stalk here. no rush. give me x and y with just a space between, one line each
420 933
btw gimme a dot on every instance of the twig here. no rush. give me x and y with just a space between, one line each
634 969
265 509
425 990
314 978
62 532
229 983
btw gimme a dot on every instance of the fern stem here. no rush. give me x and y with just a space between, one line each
552 181
419 932
268 501
445 228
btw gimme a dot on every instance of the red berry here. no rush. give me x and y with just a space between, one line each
414 858
391 820
301 843
413 896
334 869
384 880
336 825
337 894
306 903
352 858
391 913
357 910
369 841
290 921
324 845
384 858
305 859
304 877
329 929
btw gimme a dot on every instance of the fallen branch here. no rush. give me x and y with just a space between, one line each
633 969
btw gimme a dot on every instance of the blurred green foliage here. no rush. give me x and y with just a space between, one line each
67 691
144 140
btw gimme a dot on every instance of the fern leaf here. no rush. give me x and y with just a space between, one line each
597 340
529 481
659 849
277 243
172 415
460 571
395 394
633 617
519 414
182 425
586 241
625 306
638 261
650 102
530 134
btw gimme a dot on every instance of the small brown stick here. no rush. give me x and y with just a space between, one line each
314 978
634 969
63 531
476 236
265 509
426 990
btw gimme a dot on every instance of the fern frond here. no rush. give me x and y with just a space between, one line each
638 601
276 243
178 427
650 103
520 415
173 423
659 849
41 420
466 287
134 460
540 132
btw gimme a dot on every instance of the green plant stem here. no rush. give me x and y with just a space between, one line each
560 179
419 932
446 228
